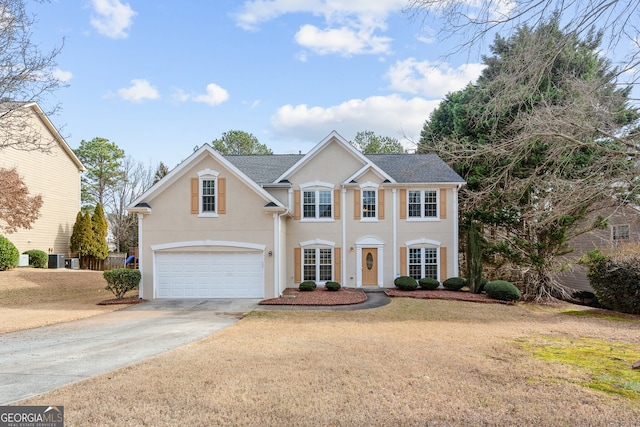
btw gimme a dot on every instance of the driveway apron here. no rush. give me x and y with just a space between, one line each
39 360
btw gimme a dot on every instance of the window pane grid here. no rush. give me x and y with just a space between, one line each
208 196
309 204
318 265
368 204
430 203
414 204
324 204
415 263
423 262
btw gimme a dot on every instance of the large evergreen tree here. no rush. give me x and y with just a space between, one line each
544 138
103 160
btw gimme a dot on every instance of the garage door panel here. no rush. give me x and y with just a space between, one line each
210 275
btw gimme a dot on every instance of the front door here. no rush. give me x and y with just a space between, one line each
369 266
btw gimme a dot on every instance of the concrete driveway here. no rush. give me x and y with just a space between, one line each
39 360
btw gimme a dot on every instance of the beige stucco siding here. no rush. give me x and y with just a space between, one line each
56 177
171 222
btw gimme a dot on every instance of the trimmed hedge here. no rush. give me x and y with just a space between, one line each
406 283
428 283
332 286
121 280
9 254
455 283
502 290
615 278
37 258
307 286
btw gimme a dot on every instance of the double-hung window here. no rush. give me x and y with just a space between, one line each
423 204
369 203
209 193
620 232
317 264
423 262
317 204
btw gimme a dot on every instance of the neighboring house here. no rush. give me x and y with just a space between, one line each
250 226
624 226
54 174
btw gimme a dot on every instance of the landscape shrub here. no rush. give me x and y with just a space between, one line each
428 283
615 278
37 258
502 290
406 283
121 280
307 286
454 283
9 254
332 286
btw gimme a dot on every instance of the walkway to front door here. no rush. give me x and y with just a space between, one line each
369 266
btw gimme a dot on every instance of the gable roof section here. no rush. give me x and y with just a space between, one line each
7 107
265 169
185 166
333 136
416 168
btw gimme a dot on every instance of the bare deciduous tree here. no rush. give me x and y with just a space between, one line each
17 208
26 76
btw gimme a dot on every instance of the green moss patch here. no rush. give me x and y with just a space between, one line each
607 364
599 315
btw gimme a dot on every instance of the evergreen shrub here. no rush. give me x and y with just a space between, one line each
37 258
332 286
502 290
121 280
9 254
307 286
406 283
428 283
455 283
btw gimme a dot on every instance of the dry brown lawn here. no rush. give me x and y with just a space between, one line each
410 363
34 297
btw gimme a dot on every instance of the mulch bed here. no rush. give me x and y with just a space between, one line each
131 300
319 296
444 294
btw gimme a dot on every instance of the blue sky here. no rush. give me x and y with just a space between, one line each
159 78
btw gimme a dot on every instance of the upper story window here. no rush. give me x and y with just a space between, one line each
423 204
620 232
316 204
369 203
208 194
317 201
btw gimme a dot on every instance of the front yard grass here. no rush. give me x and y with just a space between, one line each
412 362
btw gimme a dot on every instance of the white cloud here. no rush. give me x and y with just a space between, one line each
390 115
215 95
351 26
140 90
431 79
344 41
63 76
113 18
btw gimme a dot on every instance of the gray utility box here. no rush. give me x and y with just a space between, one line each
56 261
72 263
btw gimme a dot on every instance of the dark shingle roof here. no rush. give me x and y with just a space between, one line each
415 168
403 168
264 169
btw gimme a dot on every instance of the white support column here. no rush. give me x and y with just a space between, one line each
396 270
276 255
343 211
456 256
140 258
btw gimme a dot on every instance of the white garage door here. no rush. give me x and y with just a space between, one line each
209 275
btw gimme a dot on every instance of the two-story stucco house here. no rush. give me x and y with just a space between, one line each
53 172
250 226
